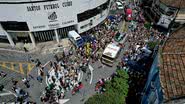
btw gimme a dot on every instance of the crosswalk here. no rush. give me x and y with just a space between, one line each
19 67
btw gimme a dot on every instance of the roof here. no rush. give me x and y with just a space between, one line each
176 3
118 3
129 11
74 34
172 69
111 50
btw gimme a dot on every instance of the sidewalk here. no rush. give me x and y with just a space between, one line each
43 48
53 46
19 47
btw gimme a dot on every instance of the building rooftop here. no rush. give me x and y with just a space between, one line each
176 3
172 69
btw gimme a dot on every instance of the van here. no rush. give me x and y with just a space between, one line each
75 38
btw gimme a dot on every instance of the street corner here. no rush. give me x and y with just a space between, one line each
19 67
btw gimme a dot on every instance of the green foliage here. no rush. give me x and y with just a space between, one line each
147 25
116 91
98 99
152 44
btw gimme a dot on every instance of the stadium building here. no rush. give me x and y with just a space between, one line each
37 21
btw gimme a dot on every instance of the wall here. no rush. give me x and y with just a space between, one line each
152 93
94 20
2 31
47 15
180 16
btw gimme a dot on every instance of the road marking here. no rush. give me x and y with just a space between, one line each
12 66
3 64
17 66
91 69
10 92
21 68
81 76
62 101
30 67
46 63
5 94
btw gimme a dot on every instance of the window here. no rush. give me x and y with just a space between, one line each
84 26
106 57
15 26
93 12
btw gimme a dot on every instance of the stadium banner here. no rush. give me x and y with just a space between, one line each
47 15
40 16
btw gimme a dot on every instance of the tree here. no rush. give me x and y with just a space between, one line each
116 90
152 44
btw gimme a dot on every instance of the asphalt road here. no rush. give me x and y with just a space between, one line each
36 88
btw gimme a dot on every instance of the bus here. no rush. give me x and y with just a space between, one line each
110 53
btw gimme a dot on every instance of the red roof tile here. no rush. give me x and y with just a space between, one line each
172 69
176 3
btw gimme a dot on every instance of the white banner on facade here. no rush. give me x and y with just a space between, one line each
47 15
40 16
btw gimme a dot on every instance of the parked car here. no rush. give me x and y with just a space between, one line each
118 37
123 2
119 5
128 12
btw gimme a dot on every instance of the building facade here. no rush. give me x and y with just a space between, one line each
165 12
152 93
166 80
46 20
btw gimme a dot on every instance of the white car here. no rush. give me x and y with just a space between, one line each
119 5
123 2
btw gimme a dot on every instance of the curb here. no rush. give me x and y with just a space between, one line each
11 50
18 51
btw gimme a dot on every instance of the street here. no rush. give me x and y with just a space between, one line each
24 65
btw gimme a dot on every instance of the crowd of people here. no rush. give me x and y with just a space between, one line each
3 74
137 59
22 96
64 73
100 86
